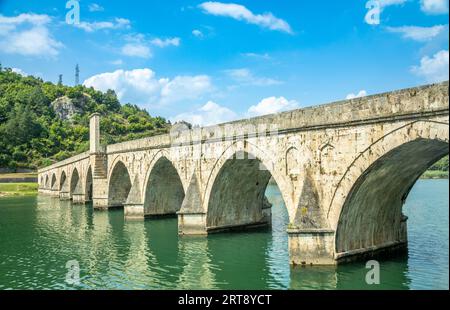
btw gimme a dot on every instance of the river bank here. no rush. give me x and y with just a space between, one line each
18 189
435 174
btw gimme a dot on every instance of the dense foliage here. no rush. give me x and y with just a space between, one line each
441 165
32 135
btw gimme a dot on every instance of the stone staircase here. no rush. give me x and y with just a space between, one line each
100 166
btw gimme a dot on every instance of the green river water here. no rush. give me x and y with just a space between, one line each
39 235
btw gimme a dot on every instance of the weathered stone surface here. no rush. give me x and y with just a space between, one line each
343 169
65 107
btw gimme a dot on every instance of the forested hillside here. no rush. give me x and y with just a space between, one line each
34 132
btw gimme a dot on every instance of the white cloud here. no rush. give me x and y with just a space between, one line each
118 23
142 87
245 77
386 3
136 50
240 12
421 34
117 62
19 71
434 7
209 114
94 7
166 42
434 69
264 56
34 19
28 35
197 33
185 87
362 93
272 105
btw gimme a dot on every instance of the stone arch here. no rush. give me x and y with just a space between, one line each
53 182
74 179
46 184
62 180
119 185
367 205
163 188
235 190
88 184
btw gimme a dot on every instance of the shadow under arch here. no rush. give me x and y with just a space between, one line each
88 186
119 185
237 195
74 179
53 181
164 192
371 217
46 184
62 180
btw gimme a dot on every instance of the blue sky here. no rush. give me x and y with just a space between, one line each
209 62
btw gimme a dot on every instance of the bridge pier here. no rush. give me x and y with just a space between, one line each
64 195
134 212
311 247
78 198
192 223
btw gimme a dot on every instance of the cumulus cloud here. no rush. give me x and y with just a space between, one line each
209 114
118 23
19 71
421 34
28 35
240 12
264 56
138 45
362 93
142 87
434 7
94 7
136 50
433 69
386 3
197 33
245 77
272 105
166 42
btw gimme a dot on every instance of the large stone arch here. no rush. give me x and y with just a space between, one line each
366 209
53 181
62 180
74 180
88 183
235 189
47 182
163 190
119 184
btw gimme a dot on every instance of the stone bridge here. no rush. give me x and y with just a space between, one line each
344 171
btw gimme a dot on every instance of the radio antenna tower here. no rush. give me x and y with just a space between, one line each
77 75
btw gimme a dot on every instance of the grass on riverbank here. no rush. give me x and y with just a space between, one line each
21 175
435 174
18 189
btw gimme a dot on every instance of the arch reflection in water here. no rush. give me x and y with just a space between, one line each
42 234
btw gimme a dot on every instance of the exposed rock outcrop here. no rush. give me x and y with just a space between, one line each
65 107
